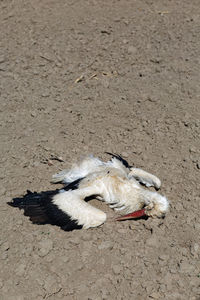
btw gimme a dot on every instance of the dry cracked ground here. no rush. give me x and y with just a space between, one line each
80 77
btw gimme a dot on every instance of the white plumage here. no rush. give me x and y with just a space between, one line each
115 182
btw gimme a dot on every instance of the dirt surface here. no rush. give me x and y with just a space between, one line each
80 77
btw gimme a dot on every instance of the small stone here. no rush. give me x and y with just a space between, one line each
20 270
195 249
176 296
125 154
50 284
45 246
150 99
58 64
66 245
152 242
33 114
186 267
87 236
50 257
162 288
1 283
29 249
179 206
105 83
19 222
196 290
173 270
36 164
45 94
65 259
2 191
125 41
131 227
4 255
132 50
192 149
2 59
164 257
16 297
5 246
116 269
155 295
122 250
75 241
122 231
105 245
197 226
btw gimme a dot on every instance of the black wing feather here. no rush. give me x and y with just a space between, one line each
73 185
41 210
120 158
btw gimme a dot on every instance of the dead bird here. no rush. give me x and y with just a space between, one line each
115 182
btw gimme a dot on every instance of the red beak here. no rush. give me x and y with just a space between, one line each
134 215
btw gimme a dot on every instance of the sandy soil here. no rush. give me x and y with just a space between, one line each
80 77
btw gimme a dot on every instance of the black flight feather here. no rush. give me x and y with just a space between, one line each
73 185
125 163
41 210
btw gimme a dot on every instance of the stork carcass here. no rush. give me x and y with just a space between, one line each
115 182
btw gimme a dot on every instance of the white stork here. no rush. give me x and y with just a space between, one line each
114 182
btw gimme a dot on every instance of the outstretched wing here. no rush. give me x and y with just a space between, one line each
66 208
39 207
83 168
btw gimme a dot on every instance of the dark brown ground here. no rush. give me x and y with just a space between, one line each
80 77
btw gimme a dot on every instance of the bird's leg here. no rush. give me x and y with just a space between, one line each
145 178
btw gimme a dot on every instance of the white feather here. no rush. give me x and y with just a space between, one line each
145 178
79 210
88 165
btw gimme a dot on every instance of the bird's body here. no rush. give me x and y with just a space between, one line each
113 182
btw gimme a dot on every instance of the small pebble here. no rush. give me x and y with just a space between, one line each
33 114
116 269
164 257
152 242
2 191
195 249
186 267
105 245
192 149
20 270
132 50
1 283
4 255
2 59
45 246
5 246
155 295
